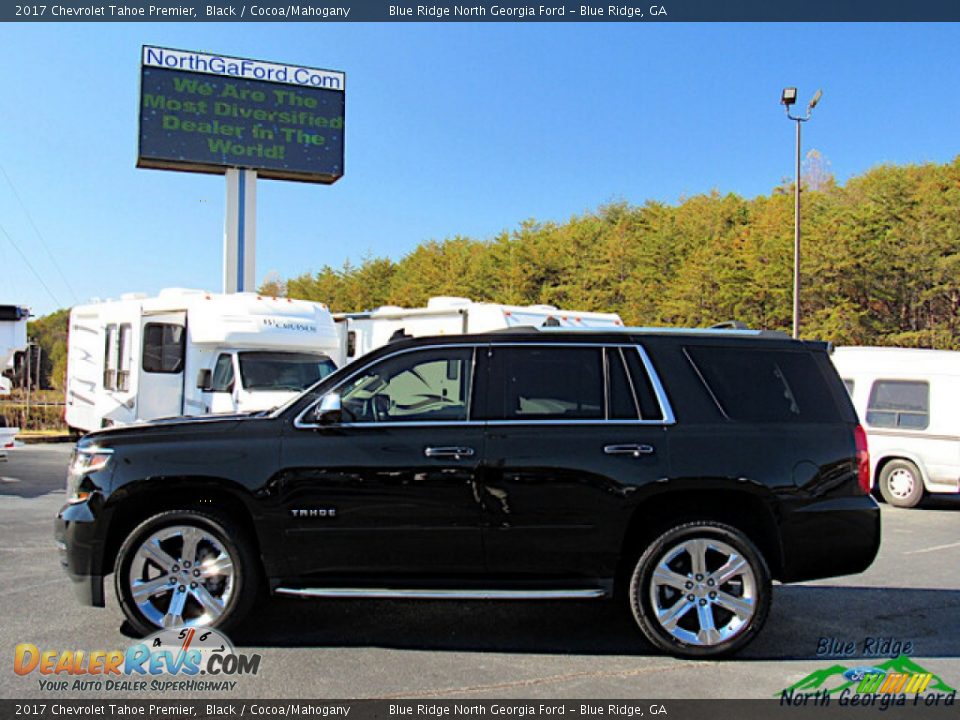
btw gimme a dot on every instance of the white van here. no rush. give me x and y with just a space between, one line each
191 352
364 331
909 403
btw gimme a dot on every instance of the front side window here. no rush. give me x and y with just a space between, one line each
899 404
530 383
163 346
282 371
422 386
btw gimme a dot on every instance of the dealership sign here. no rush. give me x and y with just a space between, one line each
206 113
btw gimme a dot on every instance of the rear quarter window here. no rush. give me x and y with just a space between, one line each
753 384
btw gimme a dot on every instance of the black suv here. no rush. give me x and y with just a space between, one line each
683 470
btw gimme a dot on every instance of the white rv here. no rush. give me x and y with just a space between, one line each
190 352
13 337
362 332
909 403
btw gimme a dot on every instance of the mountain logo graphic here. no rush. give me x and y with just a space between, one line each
898 675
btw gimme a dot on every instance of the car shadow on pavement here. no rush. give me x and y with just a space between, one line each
800 617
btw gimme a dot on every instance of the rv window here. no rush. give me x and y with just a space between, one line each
222 374
282 371
163 345
124 357
351 343
899 403
110 358
849 384
546 383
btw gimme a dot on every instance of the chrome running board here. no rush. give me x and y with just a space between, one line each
424 594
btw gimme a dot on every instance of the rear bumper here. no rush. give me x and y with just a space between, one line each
80 550
826 538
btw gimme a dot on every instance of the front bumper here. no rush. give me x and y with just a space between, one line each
826 538
80 550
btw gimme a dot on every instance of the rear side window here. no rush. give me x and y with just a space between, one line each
757 385
642 387
620 400
547 383
899 404
163 345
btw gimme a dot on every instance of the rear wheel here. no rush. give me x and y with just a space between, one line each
901 483
701 589
184 568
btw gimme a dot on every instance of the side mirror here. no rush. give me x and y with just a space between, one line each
205 380
329 410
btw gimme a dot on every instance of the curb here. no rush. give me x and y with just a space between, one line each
44 439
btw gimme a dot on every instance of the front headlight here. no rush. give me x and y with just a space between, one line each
85 461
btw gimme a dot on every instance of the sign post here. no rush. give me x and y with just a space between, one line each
244 119
240 231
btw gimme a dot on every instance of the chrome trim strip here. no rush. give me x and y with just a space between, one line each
665 409
94 450
658 389
425 594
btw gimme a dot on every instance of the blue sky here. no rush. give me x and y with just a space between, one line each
451 129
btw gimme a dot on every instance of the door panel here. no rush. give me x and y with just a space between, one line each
556 502
161 371
559 474
395 510
394 484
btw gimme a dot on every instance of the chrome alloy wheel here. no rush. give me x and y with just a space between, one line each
703 592
901 483
181 575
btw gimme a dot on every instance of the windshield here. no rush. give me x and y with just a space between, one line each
277 371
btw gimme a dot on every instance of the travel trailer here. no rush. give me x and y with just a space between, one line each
13 338
909 403
191 352
362 332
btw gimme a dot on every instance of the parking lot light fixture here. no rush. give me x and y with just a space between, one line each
787 98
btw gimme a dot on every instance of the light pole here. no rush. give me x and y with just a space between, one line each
787 99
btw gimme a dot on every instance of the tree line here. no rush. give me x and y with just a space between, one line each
880 263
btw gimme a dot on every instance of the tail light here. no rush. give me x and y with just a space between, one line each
863 459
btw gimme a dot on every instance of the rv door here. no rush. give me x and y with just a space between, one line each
162 357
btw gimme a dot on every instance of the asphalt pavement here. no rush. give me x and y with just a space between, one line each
454 649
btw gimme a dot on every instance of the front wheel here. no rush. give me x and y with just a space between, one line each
901 484
184 568
701 589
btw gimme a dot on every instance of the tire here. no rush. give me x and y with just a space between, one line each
747 591
218 585
901 484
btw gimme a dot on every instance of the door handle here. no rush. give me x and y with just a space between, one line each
635 450
449 452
